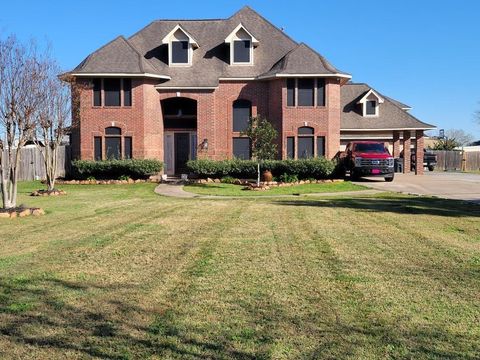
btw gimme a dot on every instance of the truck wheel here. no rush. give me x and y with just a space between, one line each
431 167
389 178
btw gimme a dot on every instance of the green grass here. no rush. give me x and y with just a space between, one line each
118 272
220 189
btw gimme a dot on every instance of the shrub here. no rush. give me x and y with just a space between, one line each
114 169
288 178
317 168
228 180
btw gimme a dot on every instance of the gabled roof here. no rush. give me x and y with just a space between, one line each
210 62
365 97
303 60
391 115
230 36
117 57
167 37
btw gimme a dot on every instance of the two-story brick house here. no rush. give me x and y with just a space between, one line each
181 89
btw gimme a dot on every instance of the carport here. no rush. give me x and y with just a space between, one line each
369 115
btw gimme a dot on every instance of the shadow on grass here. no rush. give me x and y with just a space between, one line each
399 205
33 312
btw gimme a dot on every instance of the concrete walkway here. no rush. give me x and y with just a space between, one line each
177 191
448 185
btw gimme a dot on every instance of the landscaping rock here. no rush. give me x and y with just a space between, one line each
38 212
217 181
4 215
25 212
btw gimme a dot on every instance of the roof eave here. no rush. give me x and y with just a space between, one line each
313 75
119 74
391 129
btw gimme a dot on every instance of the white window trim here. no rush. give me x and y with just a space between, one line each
169 39
232 48
232 37
170 53
367 97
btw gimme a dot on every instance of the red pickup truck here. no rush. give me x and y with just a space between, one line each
367 158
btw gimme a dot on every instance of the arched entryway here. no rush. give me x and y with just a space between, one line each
180 133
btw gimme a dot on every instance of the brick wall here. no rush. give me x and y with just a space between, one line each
144 123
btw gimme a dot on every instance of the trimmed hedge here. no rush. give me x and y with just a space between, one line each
317 168
114 169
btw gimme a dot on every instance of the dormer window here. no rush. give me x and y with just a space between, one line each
242 50
241 43
371 107
180 47
370 103
180 52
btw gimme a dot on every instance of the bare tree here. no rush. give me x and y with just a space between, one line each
53 119
21 76
459 136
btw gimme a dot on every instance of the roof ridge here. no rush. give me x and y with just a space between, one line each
140 57
246 7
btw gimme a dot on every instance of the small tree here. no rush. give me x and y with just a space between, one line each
262 137
445 144
53 119
21 76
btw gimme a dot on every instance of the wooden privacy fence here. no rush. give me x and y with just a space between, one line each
457 160
32 166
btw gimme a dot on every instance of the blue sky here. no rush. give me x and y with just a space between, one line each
424 53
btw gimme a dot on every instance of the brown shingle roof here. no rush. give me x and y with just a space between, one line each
391 115
211 60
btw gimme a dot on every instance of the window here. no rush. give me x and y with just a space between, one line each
305 130
127 141
97 92
97 145
242 110
127 92
180 52
241 51
305 142
321 146
241 148
113 148
371 107
305 92
111 88
290 92
320 92
290 147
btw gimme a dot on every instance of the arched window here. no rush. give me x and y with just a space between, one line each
242 111
305 142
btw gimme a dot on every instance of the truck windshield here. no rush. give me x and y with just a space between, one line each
370 148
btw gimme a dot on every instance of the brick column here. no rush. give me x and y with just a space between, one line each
396 144
406 151
419 145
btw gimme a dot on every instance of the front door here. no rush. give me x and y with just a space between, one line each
182 151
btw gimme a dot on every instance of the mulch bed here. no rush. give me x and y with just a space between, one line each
20 211
43 192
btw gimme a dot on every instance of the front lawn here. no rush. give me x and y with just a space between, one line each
118 272
220 189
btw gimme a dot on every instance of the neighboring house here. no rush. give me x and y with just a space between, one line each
181 89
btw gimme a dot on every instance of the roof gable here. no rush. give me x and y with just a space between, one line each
391 116
303 60
118 56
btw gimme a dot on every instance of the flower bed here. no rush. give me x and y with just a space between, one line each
54 192
20 212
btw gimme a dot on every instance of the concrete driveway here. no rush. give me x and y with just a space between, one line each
457 186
